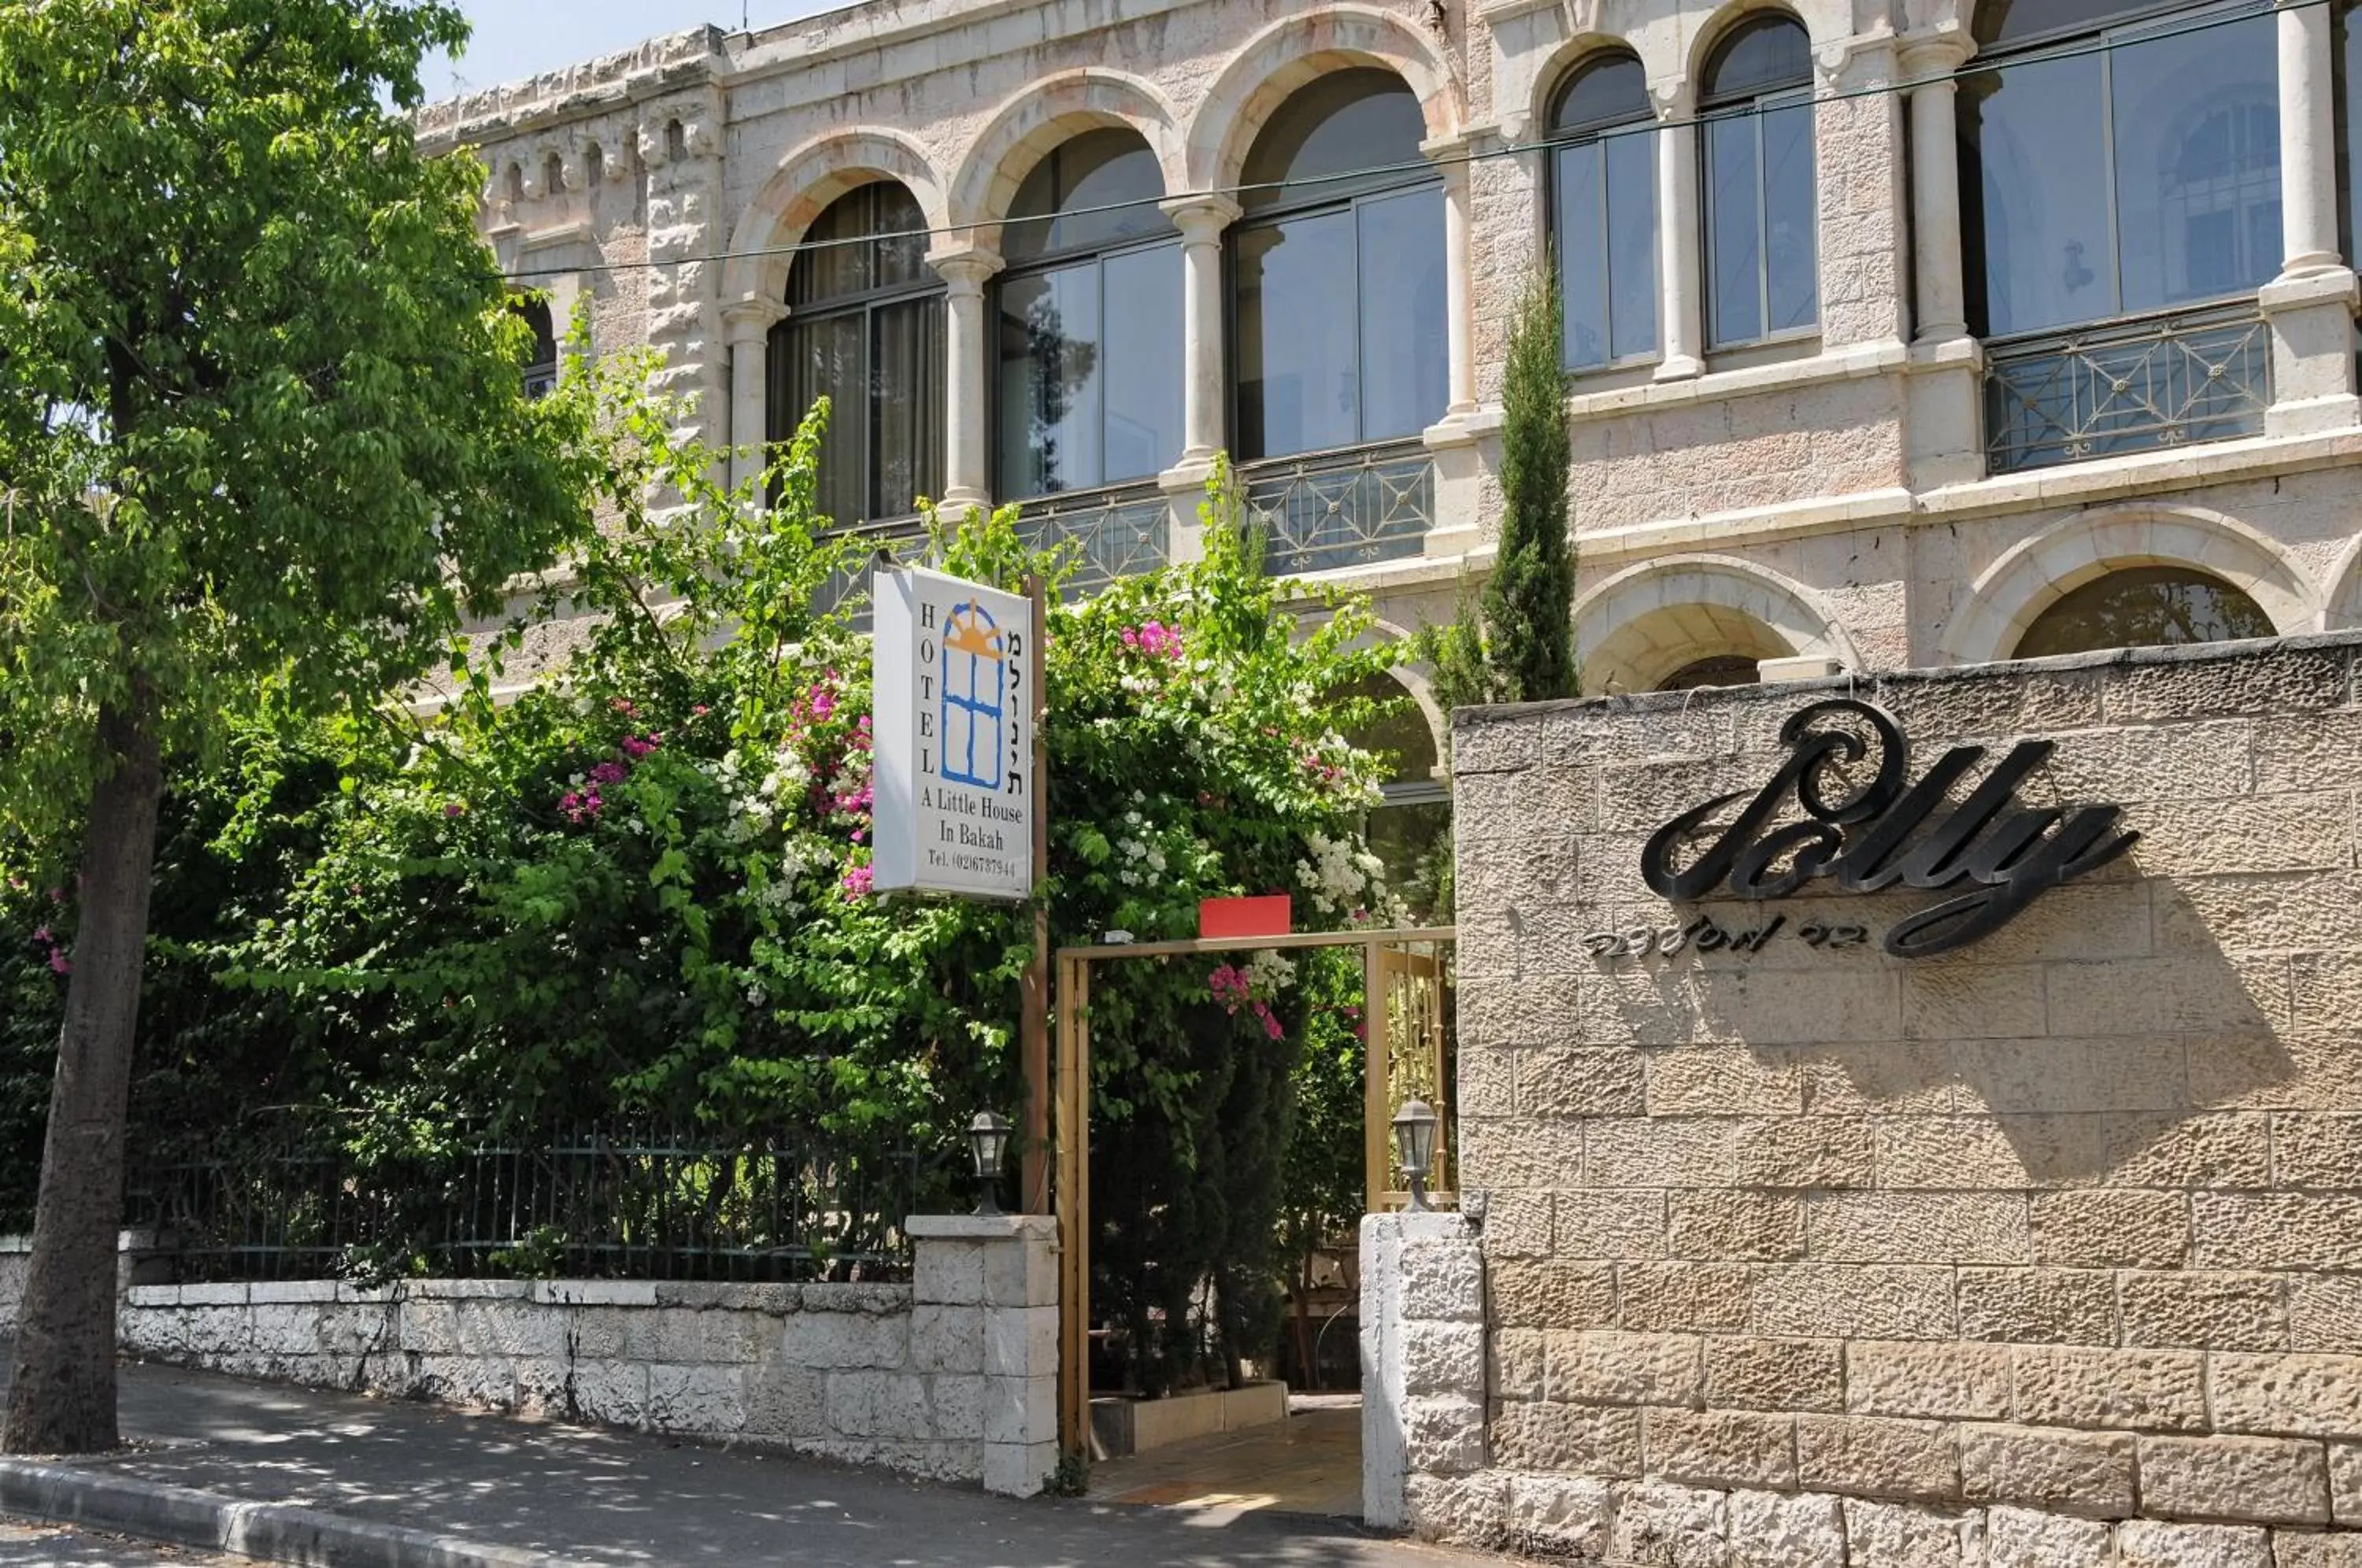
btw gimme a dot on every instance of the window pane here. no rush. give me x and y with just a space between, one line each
1764 54
1143 371
2144 607
2198 163
828 357
2035 134
1102 169
1405 382
1604 93
1298 372
1789 245
906 404
1632 242
1583 242
1050 355
1347 120
1733 229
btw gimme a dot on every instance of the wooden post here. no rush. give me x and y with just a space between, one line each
1376 1113
1034 991
1073 1207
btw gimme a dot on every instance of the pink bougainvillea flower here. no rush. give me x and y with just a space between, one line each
859 880
59 961
453 810
607 773
43 936
700 710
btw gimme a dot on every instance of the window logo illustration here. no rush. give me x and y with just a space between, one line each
976 696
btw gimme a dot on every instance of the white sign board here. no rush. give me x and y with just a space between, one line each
953 673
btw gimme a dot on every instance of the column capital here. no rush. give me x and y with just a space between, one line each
1201 217
1935 53
965 270
1673 96
751 317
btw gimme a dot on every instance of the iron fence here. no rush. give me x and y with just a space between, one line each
2127 387
634 1203
1119 532
1329 510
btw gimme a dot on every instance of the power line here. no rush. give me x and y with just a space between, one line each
2221 16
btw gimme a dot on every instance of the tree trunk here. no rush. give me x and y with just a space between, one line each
62 1400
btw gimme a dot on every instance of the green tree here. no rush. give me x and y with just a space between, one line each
263 444
1530 633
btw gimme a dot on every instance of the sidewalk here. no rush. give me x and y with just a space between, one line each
592 1496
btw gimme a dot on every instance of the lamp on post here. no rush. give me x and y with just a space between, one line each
1415 1126
988 1140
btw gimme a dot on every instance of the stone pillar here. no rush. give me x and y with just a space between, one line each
1450 153
748 323
2311 305
1681 237
1943 408
966 472
1201 220
1422 1368
997 1275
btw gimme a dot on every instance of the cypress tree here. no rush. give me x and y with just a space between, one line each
1530 601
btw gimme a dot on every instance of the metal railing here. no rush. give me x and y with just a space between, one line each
630 1203
2127 387
1328 510
1120 532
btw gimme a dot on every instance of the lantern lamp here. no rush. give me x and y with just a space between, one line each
1415 1126
987 1139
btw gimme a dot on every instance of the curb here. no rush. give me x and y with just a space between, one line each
271 1532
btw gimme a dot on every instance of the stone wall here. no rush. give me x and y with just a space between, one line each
954 1375
2043 1251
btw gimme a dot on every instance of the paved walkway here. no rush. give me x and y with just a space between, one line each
44 1546
1309 1464
606 1497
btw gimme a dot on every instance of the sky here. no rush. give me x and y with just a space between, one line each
517 39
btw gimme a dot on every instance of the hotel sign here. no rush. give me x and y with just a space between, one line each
1868 826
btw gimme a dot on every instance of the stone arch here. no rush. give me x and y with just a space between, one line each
1824 21
1023 130
1648 620
1559 66
2037 572
2342 605
806 181
1286 55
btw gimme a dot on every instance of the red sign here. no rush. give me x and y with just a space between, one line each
1243 917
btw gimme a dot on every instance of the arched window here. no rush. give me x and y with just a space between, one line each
1762 266
1719 669
541 362
864 329
2121 161
1339 272
553 175
594 166
1603 211
1090 321
2150 606
1410 829
514 187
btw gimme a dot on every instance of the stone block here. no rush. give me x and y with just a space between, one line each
948 1274
1658 1152
1973 1002
1774 1375
2212 1151
2048 1468
1470 1510
1817 1300
1678 1527
1591 1439
1804 1152
1518 1224
1021 1409
1868 1456
1515 1356
708 1400
1553 1295
1722 1080
1917 1228
2346 1483
1599 1081
1592 1224
2038 1306
2208 1311
785 1401
1928 1378
1444 1358
847 1339
2024 1538
2315 1151
1560 1516
1684 1297
2276 1230
2149 1543
1738 1225
1504 1155
2074 1386
1720 1448
879 1405
2303 1394
946 1338
1607 1367
519 1328
1021 1341
2292 831
2105 1228
1443 1281
1896 1535
1018 1470
1770 1530
2165 996
958 1402
601 1332
1443 1434
2261 1480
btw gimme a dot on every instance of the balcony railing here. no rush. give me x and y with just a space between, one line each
1120 532
1328 510
2127 387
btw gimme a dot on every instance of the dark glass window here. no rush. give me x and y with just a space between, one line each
1721 669
864 329
1604 209
2159 606
1339 272
2132 176
541 364
1762 252
1090 333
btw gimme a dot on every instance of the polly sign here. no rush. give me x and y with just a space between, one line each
954 671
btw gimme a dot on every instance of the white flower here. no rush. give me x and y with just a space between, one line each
1129 878
1269 973
1156 861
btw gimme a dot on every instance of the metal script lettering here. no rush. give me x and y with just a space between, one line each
1881 833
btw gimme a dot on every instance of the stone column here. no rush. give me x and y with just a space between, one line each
990 1281
748 323
1942 303
1680 236
1201 220
966 472
1423 1357
2311 305
1450 153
